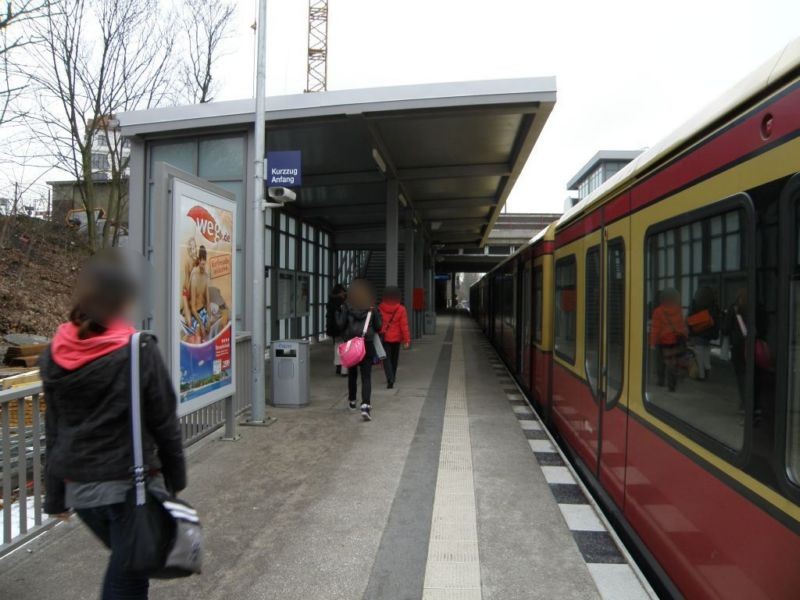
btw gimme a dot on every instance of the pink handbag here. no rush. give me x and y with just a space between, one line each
763 354
353 351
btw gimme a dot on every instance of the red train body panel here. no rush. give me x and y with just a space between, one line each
575 415
703 530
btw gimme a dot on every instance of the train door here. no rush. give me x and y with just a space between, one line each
525 326
590 410
493 306
611 391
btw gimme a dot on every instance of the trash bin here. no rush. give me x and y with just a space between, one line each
430 323
290 373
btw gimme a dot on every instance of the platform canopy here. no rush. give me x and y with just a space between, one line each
455 149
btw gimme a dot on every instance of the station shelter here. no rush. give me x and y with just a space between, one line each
393 180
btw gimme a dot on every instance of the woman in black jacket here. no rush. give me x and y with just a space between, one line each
335 302
86 375
350 321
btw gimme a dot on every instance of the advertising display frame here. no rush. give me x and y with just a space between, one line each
208 202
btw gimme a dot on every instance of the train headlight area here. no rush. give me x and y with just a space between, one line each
654 327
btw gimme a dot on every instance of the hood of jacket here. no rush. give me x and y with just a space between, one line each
389 305
672 312
70 352
358 313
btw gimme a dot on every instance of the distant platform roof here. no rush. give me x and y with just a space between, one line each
456 149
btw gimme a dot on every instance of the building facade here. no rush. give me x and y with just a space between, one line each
602 167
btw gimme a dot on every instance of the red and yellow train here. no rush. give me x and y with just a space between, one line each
700 472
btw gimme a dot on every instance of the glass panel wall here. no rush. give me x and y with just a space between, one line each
298 250
220 160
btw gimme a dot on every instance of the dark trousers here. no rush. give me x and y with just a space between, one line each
667 365
392 360
365 366
106 523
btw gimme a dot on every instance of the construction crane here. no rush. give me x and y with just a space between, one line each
317 74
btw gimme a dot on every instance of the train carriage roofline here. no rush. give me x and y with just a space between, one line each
769 77
548 234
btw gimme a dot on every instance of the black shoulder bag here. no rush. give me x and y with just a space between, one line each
164 539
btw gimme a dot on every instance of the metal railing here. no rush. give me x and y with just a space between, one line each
22 447
22 462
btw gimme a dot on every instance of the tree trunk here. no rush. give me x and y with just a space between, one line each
87 195
122 201
113 200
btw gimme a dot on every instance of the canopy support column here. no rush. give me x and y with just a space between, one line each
392 231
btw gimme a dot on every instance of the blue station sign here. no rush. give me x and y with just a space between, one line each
284 168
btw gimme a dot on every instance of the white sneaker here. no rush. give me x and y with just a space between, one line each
365 410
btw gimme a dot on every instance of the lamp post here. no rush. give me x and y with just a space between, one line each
258 387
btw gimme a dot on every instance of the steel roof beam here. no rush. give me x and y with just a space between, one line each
455 171
454 203
356 177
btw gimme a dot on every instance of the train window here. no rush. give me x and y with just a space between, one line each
509 314
695 356
793 421
591 351
525 329
793 451
566 308
526 306
497 305
615 319
538 298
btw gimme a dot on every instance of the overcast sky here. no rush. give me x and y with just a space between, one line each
628 71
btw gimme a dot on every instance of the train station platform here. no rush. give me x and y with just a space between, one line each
453 491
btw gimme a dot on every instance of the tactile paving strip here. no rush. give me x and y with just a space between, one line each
453 569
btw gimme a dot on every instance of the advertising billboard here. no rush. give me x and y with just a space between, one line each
203 284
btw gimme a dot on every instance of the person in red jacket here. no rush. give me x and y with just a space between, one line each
394 331
667 337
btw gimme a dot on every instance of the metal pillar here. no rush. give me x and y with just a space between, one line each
258 391
408 284
392 231
419 281
432 289
430 304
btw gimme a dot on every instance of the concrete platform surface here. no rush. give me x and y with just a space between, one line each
440 496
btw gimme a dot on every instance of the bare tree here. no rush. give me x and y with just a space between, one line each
98 58
207 26
13 37
20 192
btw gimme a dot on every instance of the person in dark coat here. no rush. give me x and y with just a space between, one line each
86 378
335 301
737 327
350 320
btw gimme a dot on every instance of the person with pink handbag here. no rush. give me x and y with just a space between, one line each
357 320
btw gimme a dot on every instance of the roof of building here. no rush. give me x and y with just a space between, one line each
456 149
601 156
772 74
97 180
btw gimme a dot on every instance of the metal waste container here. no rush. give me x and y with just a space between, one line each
290 373
430 323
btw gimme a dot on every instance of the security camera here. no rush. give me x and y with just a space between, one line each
282 194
